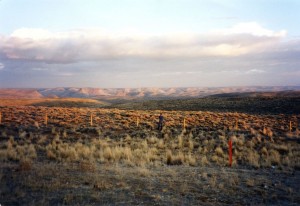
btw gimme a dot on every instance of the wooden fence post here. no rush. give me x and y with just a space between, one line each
137 121
91 119
290 126
230 152
236 124
184 124
46 119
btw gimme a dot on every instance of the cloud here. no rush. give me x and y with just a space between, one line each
96 44
176 73
1 66
39 69
255 71
254 29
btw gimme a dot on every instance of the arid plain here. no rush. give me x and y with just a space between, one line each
87 152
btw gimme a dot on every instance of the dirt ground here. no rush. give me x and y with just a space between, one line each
71 184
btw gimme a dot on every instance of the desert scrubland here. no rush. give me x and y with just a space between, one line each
91 156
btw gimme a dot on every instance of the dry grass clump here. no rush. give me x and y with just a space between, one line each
253 158
240 140
204 161
180 141
12 151
42 140
84 151
144 144
191 160
161 144
119 154
152 140
213 180
27 151
173 159
78 151
180 158
219 151
191 144
264 152
69 153
250 182
274 157
62 151
143 172
108 154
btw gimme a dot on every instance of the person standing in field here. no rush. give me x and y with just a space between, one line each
160 122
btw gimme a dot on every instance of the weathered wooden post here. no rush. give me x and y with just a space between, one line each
46 119
230 152
184 124
236 124
137 121
291 126
91 119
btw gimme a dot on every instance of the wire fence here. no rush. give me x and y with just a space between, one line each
122 119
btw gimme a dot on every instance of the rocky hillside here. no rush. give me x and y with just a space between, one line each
20 93
134 93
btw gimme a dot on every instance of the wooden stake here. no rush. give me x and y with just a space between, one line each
290 126
184 123
230 152
91 119
236 124
137 121
46 119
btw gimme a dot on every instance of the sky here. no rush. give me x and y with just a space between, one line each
149 43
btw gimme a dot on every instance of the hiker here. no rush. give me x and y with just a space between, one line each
160 122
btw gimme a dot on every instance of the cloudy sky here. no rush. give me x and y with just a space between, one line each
149 43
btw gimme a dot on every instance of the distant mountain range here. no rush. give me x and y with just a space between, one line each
146 93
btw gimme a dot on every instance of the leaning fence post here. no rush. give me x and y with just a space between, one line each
230 152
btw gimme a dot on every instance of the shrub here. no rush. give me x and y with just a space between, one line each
204 161
191 160
219 151
152 140
274 157
174 159
253 158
